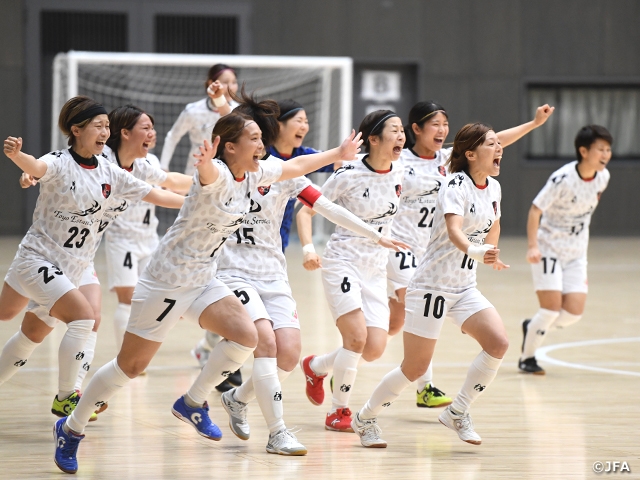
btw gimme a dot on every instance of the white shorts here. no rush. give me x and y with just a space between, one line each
270 299
400 268
425 310
127 260
89 277
551 274
348 288
39 280
157 306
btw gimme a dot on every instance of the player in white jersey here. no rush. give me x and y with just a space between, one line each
353 268
558 242
253 265
424 160
79 196
131 136
466 229
180 278
130 240
198 118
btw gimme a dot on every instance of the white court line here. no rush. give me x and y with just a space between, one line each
541 355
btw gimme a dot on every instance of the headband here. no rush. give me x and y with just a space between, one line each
285 115
221 72
381 122
87 114
429 114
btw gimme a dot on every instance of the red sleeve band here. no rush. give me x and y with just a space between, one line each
309 195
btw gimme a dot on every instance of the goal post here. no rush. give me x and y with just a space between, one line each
164 83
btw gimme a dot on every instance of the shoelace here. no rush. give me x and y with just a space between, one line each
465 422
435 391
343 412
371 430
238 409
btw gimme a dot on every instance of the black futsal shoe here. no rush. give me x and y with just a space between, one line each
234 380
530 365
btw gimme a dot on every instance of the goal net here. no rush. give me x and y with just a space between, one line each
163 84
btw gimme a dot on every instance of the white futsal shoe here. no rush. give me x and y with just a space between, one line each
283 442
368 431
461 424
237 415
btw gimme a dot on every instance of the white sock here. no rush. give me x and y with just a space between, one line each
565 319
536 331
390 388
425 379
323 364
120 322
268 391
14 355
105 384
71 355
482 371
89 352
224 359
246 393
344 375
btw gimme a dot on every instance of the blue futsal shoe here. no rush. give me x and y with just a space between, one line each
198 418
66 448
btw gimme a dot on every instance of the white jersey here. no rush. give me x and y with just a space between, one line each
444 267
420 185
75 205
210 215
197 119
374 198
567 202
254 252
137 220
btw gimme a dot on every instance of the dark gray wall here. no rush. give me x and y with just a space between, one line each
475 59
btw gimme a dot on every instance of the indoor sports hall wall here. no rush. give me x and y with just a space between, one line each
487 61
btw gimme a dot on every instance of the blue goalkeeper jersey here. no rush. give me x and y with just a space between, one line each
287 218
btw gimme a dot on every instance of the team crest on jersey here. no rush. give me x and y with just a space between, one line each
255 207
442 171
106 190
264 190
495 207
457 179
398 190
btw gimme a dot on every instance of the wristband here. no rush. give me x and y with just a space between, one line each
477 252
308 248
219 101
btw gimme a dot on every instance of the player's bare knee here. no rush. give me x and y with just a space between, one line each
395 325
266 348
498 347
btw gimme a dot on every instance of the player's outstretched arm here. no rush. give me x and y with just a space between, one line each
512 135
216 92
26 163
311 259
177 182
164 198
533 222
299 166
206 171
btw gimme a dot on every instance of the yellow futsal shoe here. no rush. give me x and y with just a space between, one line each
63 408
431 397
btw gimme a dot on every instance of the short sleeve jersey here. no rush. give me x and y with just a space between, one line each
444 267
210 215
422 181
371 196
197 119
255 250
137 220
75 205
567 202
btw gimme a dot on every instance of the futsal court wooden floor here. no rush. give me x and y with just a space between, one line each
583 411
